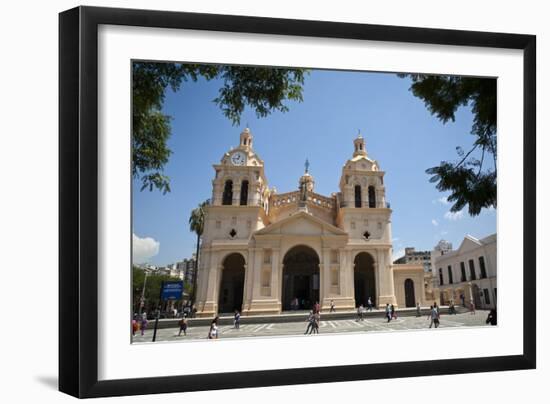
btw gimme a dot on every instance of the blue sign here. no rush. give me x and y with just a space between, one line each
172 290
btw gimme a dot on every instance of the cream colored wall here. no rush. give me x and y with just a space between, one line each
468 251
404 272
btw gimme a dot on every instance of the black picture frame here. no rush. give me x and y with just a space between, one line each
78 200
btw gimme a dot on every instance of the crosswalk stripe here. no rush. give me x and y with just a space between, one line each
260 327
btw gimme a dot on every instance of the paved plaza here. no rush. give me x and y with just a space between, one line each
371 324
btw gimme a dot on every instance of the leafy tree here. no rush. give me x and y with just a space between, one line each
264 89
196 225
470 181
152 288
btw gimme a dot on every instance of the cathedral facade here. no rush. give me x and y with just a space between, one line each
265 252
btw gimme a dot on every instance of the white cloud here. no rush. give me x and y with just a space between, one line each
454 215
434 222
143 248
442 200
444 232
398 254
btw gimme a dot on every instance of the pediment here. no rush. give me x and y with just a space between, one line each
468 244
362 163
302 223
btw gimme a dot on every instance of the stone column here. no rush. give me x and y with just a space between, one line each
384 273
275 286
217 190
254 189
248 281
236 193
324 286
210 306
257 267
343 272
202 278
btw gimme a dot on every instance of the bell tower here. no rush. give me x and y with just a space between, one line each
246 140
239 178
359 144
363 211
364 214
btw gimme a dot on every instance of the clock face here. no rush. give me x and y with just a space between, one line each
238 159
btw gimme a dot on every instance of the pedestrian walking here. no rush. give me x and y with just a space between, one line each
183 325
134 327
472 307
213 332
433 317
418 311
393 312
143 323
369 304
332 309
388 312
436 307
310 320
316 308
360 312
316 322
492 317
237 320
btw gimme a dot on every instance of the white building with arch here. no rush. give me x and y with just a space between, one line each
265 252
469 273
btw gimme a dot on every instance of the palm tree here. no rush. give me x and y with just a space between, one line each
196 224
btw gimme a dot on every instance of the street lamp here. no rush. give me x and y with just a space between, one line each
142 299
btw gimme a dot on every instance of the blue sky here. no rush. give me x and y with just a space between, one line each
400 134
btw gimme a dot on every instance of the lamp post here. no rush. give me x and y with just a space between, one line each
142 299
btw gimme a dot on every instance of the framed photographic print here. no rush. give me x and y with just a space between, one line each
273 202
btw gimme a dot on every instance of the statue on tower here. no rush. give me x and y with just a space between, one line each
306 183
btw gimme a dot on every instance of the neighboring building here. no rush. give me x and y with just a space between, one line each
416 257
166 271
469 273
186 269
262 251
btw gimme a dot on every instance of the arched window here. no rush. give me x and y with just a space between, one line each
244 192
357 196
372 197
228 193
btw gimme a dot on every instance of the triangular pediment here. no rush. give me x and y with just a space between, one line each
301 223
468 244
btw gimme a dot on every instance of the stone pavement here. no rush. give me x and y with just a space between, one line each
371 324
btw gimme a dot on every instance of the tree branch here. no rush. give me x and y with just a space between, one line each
466 156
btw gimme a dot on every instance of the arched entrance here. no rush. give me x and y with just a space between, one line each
232 284
364 279
300 278
409 293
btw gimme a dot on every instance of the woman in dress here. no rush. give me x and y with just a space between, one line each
213 332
